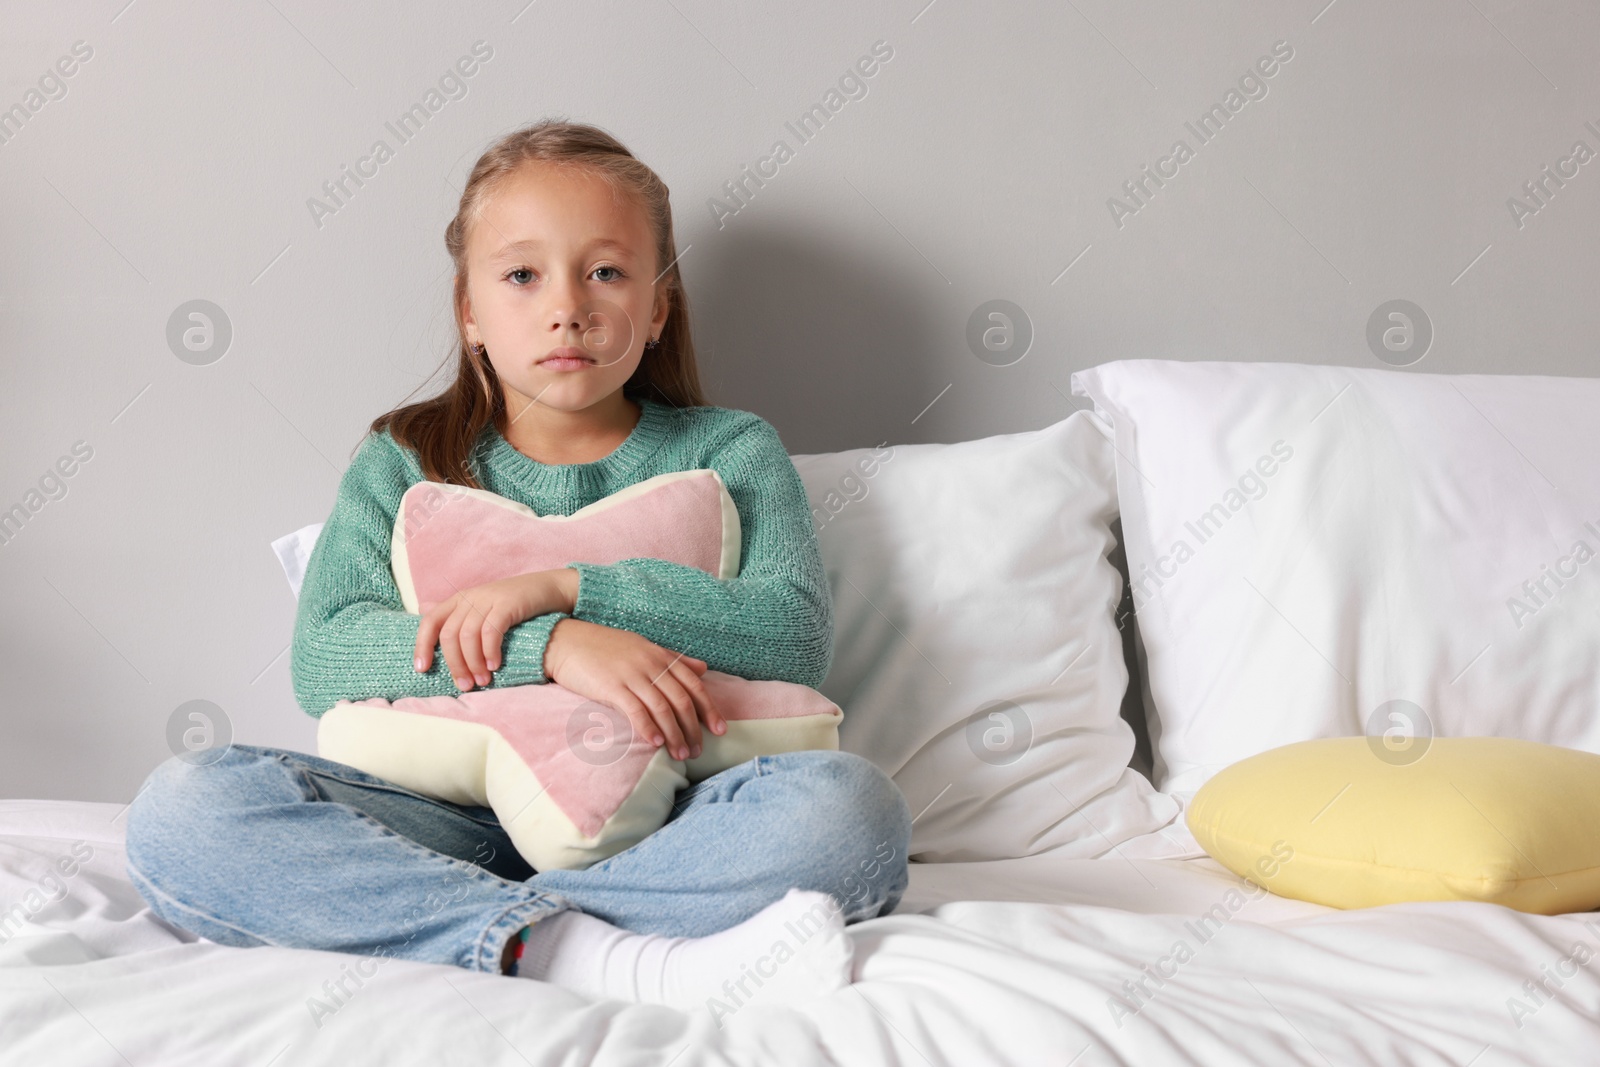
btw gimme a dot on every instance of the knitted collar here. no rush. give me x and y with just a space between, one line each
654 427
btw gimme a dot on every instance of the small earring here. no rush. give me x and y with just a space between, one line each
654 342
477 349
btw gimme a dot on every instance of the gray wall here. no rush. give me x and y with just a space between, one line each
1375 164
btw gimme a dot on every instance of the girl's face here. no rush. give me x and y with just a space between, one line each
561 287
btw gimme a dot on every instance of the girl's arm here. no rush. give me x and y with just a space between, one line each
775 619
353 639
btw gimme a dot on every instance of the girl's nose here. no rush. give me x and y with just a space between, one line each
562 312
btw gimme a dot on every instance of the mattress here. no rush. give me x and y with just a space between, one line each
1116 960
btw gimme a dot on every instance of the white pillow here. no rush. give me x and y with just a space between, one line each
976 652
294 552
1328 551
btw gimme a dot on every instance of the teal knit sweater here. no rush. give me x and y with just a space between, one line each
353 639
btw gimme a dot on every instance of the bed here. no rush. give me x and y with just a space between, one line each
1020 961
1059 910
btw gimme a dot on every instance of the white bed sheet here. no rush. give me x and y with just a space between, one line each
985 963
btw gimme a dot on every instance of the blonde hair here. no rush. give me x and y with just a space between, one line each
444 429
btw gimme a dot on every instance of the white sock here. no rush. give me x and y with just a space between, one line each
793 949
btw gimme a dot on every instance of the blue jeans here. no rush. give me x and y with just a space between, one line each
265 846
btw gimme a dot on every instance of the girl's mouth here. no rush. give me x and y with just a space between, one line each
567 358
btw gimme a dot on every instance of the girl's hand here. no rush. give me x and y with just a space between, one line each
471 626
660 691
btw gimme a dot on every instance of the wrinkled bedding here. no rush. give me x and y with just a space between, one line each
1116 960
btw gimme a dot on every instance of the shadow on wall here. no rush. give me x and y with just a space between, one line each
836 351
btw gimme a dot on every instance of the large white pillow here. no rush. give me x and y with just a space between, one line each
976 652
1328 551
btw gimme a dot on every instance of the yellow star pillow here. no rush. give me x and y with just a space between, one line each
1347 823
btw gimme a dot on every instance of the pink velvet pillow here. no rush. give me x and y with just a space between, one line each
450 537
564 774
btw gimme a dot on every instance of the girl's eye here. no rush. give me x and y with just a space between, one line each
522 275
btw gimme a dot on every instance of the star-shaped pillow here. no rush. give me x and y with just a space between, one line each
565 775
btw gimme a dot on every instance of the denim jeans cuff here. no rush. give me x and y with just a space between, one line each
491 944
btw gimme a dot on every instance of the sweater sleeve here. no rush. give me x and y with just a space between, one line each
353 638
774 620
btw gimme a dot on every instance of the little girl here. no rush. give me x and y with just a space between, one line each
576 377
